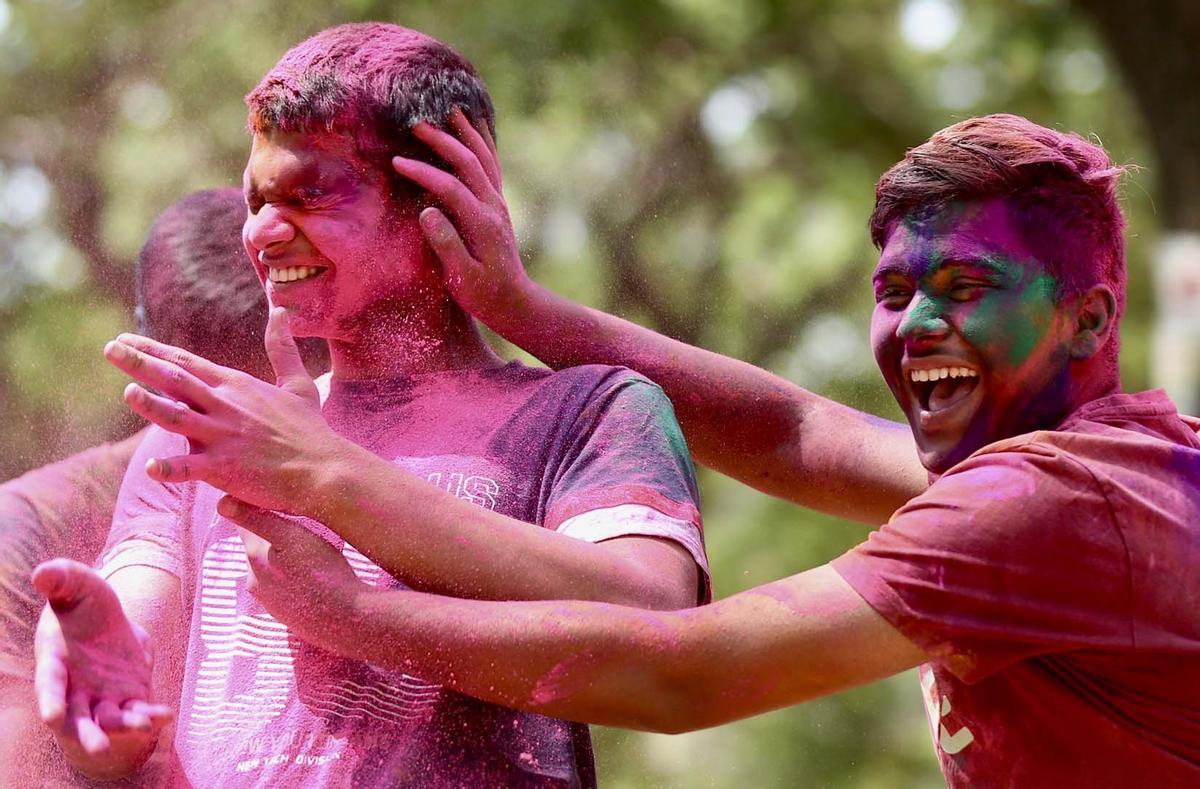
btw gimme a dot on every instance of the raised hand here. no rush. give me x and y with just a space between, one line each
261 443
93 671
475 243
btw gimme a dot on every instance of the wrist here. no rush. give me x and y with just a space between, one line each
343 630
510 307
328 484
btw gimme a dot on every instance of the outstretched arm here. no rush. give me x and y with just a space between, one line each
739 419
777 645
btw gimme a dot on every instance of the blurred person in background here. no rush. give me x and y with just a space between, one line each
195 289
1045 582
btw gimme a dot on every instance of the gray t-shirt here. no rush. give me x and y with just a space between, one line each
263 708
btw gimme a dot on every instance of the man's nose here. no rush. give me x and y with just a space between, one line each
268 227
923 320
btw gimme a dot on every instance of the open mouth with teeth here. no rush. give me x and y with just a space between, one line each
293 273
942 388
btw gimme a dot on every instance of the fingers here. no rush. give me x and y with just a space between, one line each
479 141
443 237
156 714
61 581
290 372
90 735
172 415
260 523
198 366
167 376
466 163
50 688
182 468
111 718
133 715
258 550
445 188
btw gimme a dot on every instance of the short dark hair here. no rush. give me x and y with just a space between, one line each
372 82
196 287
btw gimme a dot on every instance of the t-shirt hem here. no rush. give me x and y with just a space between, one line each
121 562
585 501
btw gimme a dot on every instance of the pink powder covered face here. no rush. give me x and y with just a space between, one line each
325 238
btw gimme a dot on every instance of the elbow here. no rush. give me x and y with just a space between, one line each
671 724
653 589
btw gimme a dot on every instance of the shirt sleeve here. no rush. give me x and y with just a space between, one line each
627 472
1010 555
146 523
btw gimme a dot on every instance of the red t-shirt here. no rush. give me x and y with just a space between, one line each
1054 577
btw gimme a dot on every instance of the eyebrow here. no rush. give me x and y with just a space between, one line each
902 268
306 175
890 267
989 262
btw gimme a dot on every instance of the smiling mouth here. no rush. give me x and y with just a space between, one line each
292 273
940 389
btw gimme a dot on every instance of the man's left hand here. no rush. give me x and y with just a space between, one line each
260 443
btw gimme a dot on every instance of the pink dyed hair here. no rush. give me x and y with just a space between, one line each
372 82
1062 188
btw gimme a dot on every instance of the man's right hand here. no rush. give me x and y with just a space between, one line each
93 673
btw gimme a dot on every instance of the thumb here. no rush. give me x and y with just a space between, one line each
257 521
290 373
62 582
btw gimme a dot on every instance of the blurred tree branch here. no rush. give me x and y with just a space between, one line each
1157 46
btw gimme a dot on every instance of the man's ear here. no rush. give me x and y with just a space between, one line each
1095 319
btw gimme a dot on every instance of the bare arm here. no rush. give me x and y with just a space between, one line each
738 419
773 646
150 599
438 543
269 445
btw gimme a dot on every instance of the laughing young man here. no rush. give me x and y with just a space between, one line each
430 462
1045 582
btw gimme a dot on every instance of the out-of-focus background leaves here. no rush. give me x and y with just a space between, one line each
705 167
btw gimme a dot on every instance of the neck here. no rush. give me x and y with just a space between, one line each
1094 379
1084 382
409 339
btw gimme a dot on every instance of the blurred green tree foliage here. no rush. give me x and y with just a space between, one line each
702 166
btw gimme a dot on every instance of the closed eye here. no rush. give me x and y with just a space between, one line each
968 290
893 296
